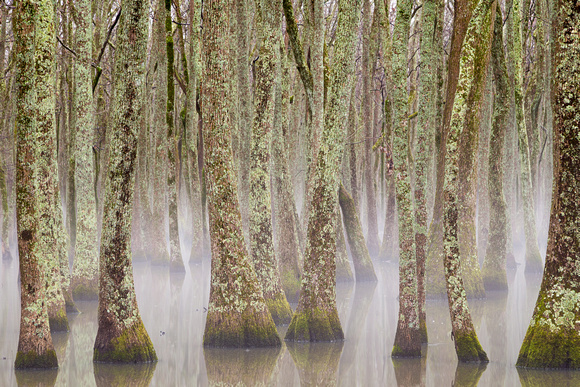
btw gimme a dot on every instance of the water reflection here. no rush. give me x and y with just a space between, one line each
468 374
542 378
123 375
317 363
36 378
240 367
411 372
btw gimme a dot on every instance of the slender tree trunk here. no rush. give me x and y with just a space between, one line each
85 272
121 336
35 348
237 313
494 265
343 270
408 336
363 266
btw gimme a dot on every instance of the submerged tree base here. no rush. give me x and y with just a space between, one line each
534 263
279 309
59 323
496 281
177 267
235 330
315 325
407 343
132 346
469 349
32 359
545 349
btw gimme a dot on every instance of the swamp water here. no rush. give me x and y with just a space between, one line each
173 310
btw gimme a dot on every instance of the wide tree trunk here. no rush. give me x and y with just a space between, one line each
121 336
35 347
553 337
237 314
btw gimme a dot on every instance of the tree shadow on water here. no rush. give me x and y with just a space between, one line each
239 366
124 375
317 363
411 372
36 378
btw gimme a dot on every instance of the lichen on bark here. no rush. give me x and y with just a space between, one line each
121 335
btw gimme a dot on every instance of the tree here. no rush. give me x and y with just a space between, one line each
316 316
237 314
494 265
35 347
121 336
552 339
85 280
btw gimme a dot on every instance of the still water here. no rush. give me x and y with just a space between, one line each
173 310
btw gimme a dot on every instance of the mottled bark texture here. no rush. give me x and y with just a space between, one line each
363 266
473 71
408 336
428 118
4 135
85 280
157 234
533 258
286 227
367 101
316 317
237 314
35 348
553 338
494 265
192 128
267 80
173 138
121 336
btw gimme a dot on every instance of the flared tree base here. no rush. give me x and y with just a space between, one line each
279 309
291 285
58 322
315 325
407 343
534 263
133 345
85 290
235 330
495 281
69 302
365 273
177 266
469 349
423 331
32 359
545 349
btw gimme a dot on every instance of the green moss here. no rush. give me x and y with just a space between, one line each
32 359
132 346
59 323
545 349
291 285
423 331
468 348
279 309
85 293
251 329
315 325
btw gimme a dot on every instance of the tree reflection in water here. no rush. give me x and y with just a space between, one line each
124 375
36 378
317 363
240 367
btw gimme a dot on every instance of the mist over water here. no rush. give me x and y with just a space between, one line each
173 310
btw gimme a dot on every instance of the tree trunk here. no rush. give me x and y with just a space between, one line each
35 348
237 313
553 337
85 278
494 265
363 266
408 335
316 317
121 336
